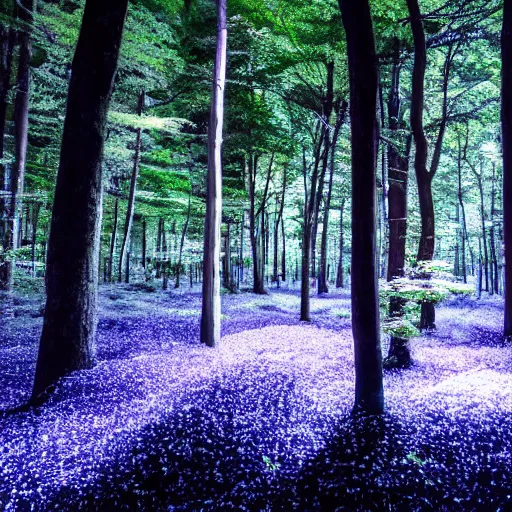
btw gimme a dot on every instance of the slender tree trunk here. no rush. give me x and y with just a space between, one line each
492 236
463 211
398 174
362 63
36 207
327 108
485 261
322 273
144 243
227 281
113 239
182 241
69 327
20 116
7 37
210 315
283 252
423 177
340 282
125 246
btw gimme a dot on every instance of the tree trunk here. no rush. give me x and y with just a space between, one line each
144 243
283 252
69 327
494 258
322 273
340 282
210 315
125 246
226 273
485 262
182 241
20 115
113 239
398 174
362 63
7 37
463 212
36 207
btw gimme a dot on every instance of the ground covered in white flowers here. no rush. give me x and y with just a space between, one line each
263 421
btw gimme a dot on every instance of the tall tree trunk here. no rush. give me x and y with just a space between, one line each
485 261
125 246
463 211
226 273
494 259
69 327
423 177
283 252
362 63
144 242
17 178
340 281
7 37
36 207
210 315
506 134
322 273
327 108
398 175
113 238
280 222
183 236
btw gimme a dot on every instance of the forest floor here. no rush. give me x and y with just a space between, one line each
262 422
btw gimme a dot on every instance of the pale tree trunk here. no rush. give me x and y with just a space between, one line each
210 315
69 327
362 63
113 239
125 246
494 259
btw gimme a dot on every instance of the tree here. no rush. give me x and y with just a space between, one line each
362 63
73 251
24 13
125 246
506 133
210 315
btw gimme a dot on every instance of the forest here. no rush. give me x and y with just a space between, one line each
256 255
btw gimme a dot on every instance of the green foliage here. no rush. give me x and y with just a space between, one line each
400 328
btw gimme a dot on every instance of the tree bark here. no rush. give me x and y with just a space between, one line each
113 239
398 175
20 116
125 246
182 241
210 315
362 63
322 272
494 259
7 37
69 327
340 281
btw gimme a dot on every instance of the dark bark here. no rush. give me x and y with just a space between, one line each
20 116
398 174
340 281
327 108
463 211
7 38
210 314
36 207
113 239
362 63
73 250
144 243
492 237
183 236
257 242
322 272
125 246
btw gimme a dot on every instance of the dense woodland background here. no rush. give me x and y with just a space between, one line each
287 74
